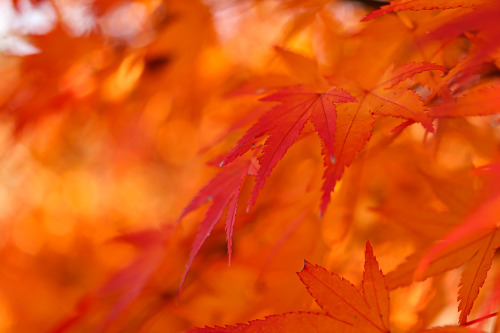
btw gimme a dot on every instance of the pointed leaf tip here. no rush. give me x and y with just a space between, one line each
369 248
307 264
375 290
222 191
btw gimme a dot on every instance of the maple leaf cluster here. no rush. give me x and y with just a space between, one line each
169 165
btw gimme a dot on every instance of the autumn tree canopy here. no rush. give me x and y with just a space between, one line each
249 166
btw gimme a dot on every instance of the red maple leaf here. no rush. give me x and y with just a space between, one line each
283 124
343 133
222 191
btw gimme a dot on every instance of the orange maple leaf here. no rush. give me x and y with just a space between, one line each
355 120
473 243
476 102
401 5
348 309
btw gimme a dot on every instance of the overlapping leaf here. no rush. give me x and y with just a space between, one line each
283 124
343 129
355 121
476 102
473 243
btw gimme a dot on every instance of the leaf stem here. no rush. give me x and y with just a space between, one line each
472 322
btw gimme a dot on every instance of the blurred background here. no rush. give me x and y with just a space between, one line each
109 113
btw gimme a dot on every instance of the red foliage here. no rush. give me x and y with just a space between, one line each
116 114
